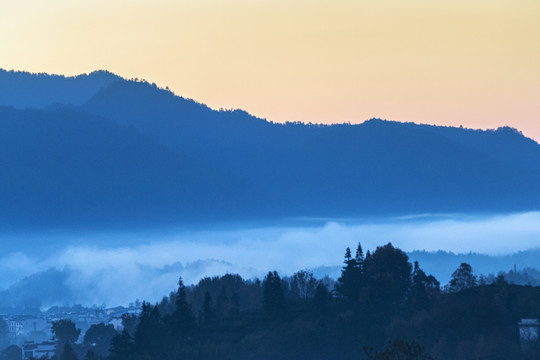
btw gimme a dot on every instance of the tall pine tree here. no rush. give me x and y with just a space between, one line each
273 297
351 280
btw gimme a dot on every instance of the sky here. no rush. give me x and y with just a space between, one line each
472 63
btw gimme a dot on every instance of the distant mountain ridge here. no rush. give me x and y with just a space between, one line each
98 149
22 89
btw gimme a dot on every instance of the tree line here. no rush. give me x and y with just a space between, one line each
381 307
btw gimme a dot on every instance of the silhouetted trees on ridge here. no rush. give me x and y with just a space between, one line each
381 307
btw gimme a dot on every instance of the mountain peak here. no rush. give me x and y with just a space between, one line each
21 89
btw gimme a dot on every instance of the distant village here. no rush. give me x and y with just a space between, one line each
32 333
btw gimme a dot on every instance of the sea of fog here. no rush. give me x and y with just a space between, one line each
118 267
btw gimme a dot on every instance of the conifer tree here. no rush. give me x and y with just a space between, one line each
351 280
148 335
359 256
348 256
183 319
273 297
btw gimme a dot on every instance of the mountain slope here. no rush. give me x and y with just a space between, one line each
136 154
389 163
66 167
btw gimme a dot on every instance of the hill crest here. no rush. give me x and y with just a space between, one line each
201 164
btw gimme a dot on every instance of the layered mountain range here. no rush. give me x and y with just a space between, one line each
100 150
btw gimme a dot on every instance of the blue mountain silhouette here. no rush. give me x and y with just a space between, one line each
22 89
99 150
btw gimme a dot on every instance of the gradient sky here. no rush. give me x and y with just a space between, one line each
471 63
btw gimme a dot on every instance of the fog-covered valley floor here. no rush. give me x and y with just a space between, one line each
116 268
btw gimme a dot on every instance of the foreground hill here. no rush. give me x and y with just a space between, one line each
130 152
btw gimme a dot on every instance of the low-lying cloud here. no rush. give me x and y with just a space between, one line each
118 268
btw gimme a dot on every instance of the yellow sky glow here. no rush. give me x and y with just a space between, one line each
474 63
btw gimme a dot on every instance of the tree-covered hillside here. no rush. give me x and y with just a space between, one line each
382 307
127 152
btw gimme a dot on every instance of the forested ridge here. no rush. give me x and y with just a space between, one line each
381 307
109 152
